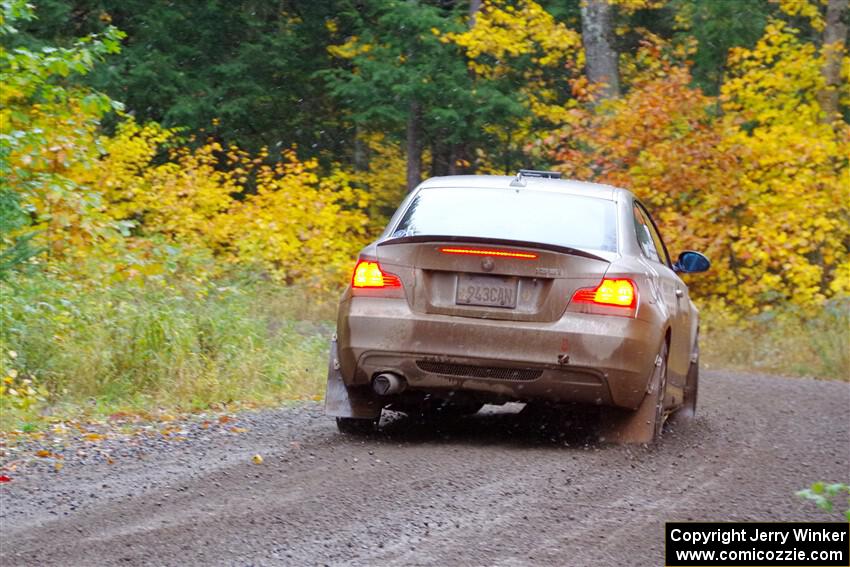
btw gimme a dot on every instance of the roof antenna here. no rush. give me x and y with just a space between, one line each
541 174
519 180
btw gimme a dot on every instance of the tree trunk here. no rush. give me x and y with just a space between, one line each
441 158
474 6
461 155
459 161
414 145
597 34
834 38
361 152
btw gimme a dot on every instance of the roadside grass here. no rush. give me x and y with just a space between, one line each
179 346
787 341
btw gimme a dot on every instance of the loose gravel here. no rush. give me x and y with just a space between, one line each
497 488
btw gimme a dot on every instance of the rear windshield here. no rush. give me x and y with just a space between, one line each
532 216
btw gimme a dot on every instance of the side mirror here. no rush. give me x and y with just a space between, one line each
691 262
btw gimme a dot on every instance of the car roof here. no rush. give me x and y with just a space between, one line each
567 186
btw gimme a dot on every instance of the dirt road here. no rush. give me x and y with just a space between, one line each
493 489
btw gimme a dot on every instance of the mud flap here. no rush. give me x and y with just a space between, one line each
623 426
342 401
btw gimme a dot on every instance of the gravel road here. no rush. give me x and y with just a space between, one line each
497 488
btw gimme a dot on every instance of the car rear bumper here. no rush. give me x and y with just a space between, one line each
579 358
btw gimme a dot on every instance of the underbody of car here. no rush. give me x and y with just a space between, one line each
488 289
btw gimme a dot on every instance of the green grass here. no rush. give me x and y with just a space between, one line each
786 341
180 345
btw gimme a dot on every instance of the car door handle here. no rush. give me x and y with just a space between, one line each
679 293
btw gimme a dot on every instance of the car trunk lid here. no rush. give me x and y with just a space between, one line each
489 278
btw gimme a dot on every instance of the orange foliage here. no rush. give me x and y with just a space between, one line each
751 178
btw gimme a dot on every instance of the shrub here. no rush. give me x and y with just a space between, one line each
172 341
788 340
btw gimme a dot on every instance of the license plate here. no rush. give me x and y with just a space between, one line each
490 291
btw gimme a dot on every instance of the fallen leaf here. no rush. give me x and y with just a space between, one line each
57 466
110 461
43 453
205 425
238 429
4 478
93 437
258 460
225 419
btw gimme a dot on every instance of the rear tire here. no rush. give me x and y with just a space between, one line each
688 408
356 426
660 416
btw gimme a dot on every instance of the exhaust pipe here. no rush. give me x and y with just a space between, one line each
387 384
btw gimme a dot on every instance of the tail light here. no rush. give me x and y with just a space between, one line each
610 297
368 274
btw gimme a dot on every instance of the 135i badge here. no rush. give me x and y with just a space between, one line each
549 272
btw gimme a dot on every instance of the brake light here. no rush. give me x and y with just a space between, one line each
489 252
616 292
369 274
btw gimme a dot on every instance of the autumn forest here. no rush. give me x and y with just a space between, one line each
180 177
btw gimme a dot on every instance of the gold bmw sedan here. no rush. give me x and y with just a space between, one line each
490 289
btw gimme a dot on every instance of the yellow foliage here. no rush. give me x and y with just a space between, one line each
350 49
754 177
66 216
762 188
279 215
384 180
504 31
181 198
777 80
631 6
299 225
18 389
795 174
805 8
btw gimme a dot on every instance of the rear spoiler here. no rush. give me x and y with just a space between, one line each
497 241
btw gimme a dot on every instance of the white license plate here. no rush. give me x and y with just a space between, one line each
490 291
